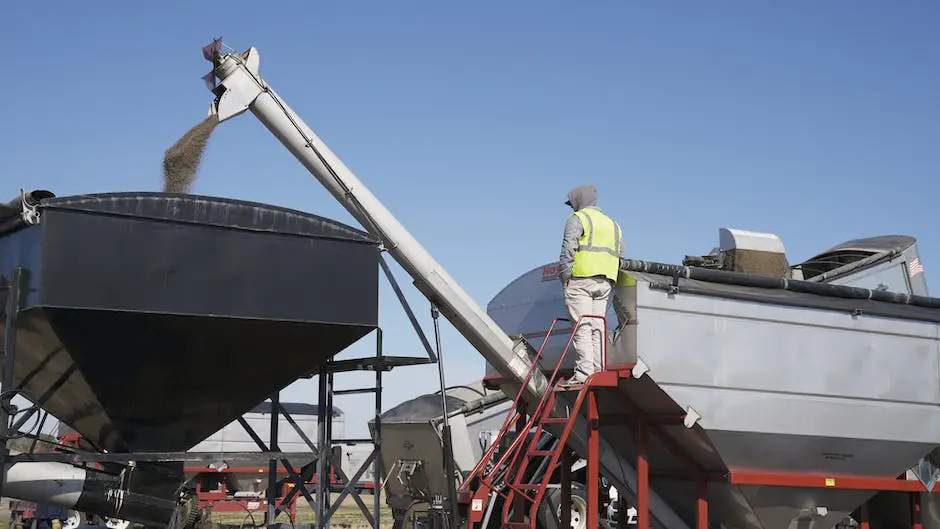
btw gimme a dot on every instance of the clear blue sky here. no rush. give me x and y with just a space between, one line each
817 121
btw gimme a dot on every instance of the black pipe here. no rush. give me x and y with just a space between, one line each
873 310
924 301
97 497
776 283
91 491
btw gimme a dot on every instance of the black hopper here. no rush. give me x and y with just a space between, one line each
151 320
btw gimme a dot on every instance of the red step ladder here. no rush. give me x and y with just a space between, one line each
506 478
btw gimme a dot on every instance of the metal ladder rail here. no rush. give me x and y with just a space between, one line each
516 486
513 450
540 488
479 471
542 417
539 412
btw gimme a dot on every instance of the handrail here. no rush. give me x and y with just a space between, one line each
550 394
512 449
478 469
488 473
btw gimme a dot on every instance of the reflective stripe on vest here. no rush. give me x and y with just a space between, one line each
599 247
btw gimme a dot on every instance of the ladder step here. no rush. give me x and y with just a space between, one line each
541 453
555 420
527 486
517 525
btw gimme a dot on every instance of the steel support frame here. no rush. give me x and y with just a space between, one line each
645 424
322 505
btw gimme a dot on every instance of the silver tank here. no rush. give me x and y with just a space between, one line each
779 381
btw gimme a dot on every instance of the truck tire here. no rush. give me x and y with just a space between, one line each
552 499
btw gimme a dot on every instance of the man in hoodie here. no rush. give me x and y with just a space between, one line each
590 261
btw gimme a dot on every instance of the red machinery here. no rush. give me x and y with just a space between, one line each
216 489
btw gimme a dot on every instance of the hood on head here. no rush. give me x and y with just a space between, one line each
582 197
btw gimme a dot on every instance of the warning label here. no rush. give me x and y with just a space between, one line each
550 272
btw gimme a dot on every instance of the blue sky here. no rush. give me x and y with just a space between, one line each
817 121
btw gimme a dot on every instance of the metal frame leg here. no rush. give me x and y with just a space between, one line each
272 464
642 477
701 518
518 503
566 461
323 474
379 464
593 467
863 522
915 511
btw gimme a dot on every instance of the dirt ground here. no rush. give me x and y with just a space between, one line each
348 516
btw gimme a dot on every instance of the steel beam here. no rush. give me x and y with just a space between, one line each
642 477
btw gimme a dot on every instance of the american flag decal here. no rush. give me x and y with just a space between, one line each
914 267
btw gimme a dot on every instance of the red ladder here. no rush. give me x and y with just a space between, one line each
515 461
487 474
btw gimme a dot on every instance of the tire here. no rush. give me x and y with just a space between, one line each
74 520
552 499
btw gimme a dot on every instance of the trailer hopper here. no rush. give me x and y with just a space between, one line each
152 320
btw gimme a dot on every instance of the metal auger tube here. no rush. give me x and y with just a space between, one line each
240 88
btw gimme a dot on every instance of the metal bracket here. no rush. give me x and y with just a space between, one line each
691 417
30 213
640 368
408 467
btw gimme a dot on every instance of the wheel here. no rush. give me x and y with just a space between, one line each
552 499
74 520
114 523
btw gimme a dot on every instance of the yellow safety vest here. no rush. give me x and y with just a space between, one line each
599 247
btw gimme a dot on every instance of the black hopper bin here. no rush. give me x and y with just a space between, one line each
151 320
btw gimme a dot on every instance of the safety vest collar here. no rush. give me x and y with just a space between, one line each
588 244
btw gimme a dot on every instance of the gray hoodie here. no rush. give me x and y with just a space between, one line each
578 198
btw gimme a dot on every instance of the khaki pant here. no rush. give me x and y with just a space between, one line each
587 295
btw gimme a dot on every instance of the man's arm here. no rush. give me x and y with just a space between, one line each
569 245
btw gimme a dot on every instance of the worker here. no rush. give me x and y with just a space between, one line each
588 267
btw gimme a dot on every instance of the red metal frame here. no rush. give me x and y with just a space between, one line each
222 499
486 480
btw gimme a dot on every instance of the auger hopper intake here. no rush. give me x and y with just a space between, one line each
152 320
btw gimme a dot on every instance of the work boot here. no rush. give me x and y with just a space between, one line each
570 384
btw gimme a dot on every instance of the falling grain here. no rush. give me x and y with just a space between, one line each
181 161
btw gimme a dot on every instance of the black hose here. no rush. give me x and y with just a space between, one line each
924 301
875 310
776 283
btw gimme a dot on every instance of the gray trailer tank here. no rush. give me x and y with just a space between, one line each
412 447
783 369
